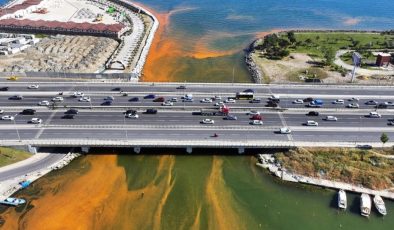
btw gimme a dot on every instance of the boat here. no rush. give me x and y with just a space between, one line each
365 205
342 201
379 204
12 201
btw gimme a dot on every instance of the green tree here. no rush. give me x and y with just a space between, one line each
329 55
384 138
291 37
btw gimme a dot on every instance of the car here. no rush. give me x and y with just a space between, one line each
57 99
43 103
389 103
130 111
229 100
254 112
298 101
187 96
330 118
107 103
72 111
312 113
12 78
109 98
353 105
181 87
220 103
339 101
36 120
311 123
167 103
255 100
256 117
174 99
1 111
134 99
7 117
364 146
35 86
187 100
28 112
273 104
256 122
390 123
374 115
285 130
217 98
381 106
78 94
16 97
132 115
151 111
84 99
150 96
230 117
4 88
312 105
116 89
159 99
371 102
68 116
353 99
206 100
248 91
308 99
207 121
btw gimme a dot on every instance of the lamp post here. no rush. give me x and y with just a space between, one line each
16 128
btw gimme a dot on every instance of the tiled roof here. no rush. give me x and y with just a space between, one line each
17 7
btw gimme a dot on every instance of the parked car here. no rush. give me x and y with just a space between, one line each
312 113
28 112
151 111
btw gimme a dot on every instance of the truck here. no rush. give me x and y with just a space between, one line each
223 110
317 103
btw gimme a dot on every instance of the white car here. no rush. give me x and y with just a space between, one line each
230 100
285 130
78 94
7 117
219 103
57 99
389 103
208 121
311 123
339 101
256 122
84 99
298 101
1 111
206 100
33 86
174 99
36 120
43 103
218 98
353 105
331 118
167 103
254 112
132 115
374 115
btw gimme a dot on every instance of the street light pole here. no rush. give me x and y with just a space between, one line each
16 128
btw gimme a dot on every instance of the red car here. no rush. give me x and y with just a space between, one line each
256 117
159 99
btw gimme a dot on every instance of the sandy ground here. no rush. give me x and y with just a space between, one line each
82 54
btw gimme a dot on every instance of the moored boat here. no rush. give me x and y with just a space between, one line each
12 201
379 204
342 201
365 205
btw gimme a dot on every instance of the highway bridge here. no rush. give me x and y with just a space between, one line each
179 125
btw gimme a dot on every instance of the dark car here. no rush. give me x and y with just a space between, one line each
68 116
28 112
255 100
230 117
371 102
313 113
71 111
107 103
381 106
150 96
159 99
134 99
181 87
364 146
16 97
271 104
249 91
308 99
4 88
151 111
116 89
130 111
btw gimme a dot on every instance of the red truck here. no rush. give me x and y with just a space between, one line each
256 117
223 110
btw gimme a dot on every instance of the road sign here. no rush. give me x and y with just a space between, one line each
356 57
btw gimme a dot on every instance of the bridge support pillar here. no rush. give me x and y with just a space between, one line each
137 150
241 150
31 149
189 150
85 149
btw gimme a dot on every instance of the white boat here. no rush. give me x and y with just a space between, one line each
12 201
342 201
365 205
379 204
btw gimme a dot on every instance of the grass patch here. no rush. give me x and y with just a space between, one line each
10 155
355 166
310 73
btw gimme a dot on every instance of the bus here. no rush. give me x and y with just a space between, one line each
244 96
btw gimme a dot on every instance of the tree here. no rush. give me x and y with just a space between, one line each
329 55
291 37
384 138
